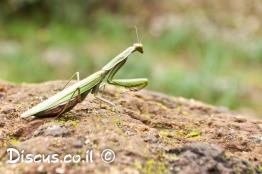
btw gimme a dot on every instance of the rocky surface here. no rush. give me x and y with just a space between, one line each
149 133
206 158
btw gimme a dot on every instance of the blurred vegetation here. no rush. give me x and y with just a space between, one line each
210 51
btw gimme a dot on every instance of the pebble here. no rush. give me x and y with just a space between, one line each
2 94
77 143
60 170
2 123
8 110
240 120
256 138
260 126
41 169
87 141
52 129
220 132
18 131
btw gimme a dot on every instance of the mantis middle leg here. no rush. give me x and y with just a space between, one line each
95 91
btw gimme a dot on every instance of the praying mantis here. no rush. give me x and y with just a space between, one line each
69 97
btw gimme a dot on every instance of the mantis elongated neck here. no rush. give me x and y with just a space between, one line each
119 58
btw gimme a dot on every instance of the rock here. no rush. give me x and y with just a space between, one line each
202 149
77 143
206 158
60 170
256 139
2 94
2 116
148 134
2 123
41 169
38 145
52 129
260 126
18 132
8 110
240 119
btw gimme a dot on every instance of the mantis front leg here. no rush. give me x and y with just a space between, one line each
132 84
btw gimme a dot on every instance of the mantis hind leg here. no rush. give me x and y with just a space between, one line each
77 75
66 106
74 101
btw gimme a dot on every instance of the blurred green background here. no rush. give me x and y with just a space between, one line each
201 49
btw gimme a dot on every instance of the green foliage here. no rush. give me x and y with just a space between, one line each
59 10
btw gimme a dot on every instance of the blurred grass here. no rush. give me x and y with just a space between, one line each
178 61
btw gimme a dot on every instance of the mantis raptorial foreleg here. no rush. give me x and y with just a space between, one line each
132 84
77 75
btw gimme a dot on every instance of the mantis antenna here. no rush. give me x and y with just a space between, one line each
137 37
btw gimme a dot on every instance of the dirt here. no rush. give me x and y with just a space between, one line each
149 133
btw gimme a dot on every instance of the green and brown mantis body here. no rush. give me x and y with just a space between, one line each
66 99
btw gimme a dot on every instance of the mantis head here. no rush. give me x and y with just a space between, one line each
138 47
